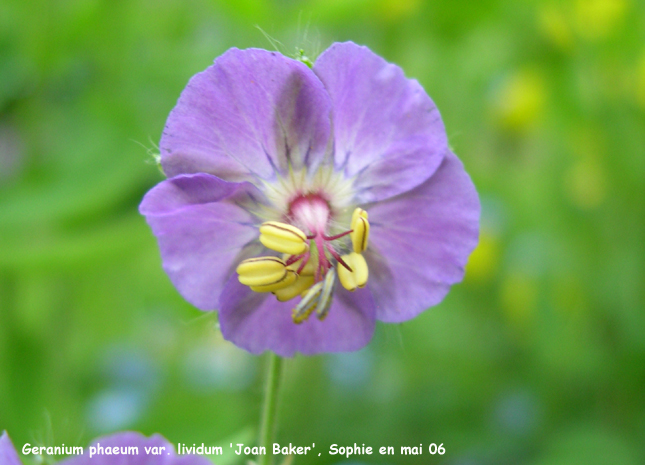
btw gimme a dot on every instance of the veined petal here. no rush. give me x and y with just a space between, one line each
8 454
251 114
388 133
420 242
202 223
259 322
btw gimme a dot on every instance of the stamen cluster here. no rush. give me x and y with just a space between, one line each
309 263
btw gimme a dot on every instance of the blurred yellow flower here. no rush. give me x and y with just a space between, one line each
555 25
483 263
562 22
392 10
596 19
585 184
520 101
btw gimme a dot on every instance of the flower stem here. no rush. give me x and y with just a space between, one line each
269 416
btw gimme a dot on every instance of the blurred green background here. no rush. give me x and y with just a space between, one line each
538 358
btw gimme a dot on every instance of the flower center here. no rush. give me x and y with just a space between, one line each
311 261
311 212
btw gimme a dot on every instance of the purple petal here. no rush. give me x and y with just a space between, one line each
387 131
420 242
258 322
249 115
202 223
8 454
133 439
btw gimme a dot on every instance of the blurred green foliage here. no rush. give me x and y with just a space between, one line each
537 358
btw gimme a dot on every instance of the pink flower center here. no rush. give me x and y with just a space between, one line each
313 213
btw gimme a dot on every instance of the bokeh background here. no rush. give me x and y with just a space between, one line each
537 358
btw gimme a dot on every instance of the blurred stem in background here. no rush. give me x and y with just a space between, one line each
269 412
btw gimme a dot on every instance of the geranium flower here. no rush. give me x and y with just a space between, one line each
295 190
8 455
106 455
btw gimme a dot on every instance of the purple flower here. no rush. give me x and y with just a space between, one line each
332 188
148 452
8 455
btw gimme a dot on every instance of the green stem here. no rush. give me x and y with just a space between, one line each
269 417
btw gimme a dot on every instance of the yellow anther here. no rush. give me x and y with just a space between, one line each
300 285
283 237
261 271
356 213
308 304
350 280
289 278
360 230
324 301
302 315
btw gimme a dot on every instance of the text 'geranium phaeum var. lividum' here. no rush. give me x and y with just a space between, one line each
295 191
124 448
